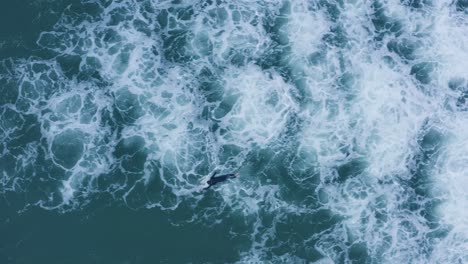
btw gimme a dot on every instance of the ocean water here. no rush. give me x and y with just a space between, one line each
347 120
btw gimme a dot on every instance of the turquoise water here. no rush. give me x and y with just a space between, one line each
346 120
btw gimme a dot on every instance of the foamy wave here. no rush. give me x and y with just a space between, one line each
345 119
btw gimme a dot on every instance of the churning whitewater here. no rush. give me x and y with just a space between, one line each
347 119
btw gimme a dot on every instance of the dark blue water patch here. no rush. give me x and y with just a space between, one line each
218 15
22 21
10 119
16 15
8 83
28 132
462 5
136 194
127 107
301 242
457 84
108 36
358 253
297 176
162 19
336 37
461 87
275 57
350 169
430 143
261 158
210 85
462 102
8 165
417 4
421 183
274 22
108 120
296 77
123 186
299 80
39 78
332 8
121 61
28 92
206 114
75 14
184 13
134 163
52 41
119 15
89 71
224 107
155 190
239 58
129 146
327 225
389 61
48 85
90 9
175 46
422 71
132 154
317 57
90 65
403 47
68 148
383 24
33 179
142 27
346 83
228 151
29 237
173 28
70 64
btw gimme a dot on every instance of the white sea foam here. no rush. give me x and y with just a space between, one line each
449 177
260 102
379 125
361 95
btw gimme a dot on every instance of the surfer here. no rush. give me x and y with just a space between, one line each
215 180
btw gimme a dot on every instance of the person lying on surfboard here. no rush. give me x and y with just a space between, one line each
215 180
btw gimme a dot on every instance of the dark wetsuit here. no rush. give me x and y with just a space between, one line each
214 180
